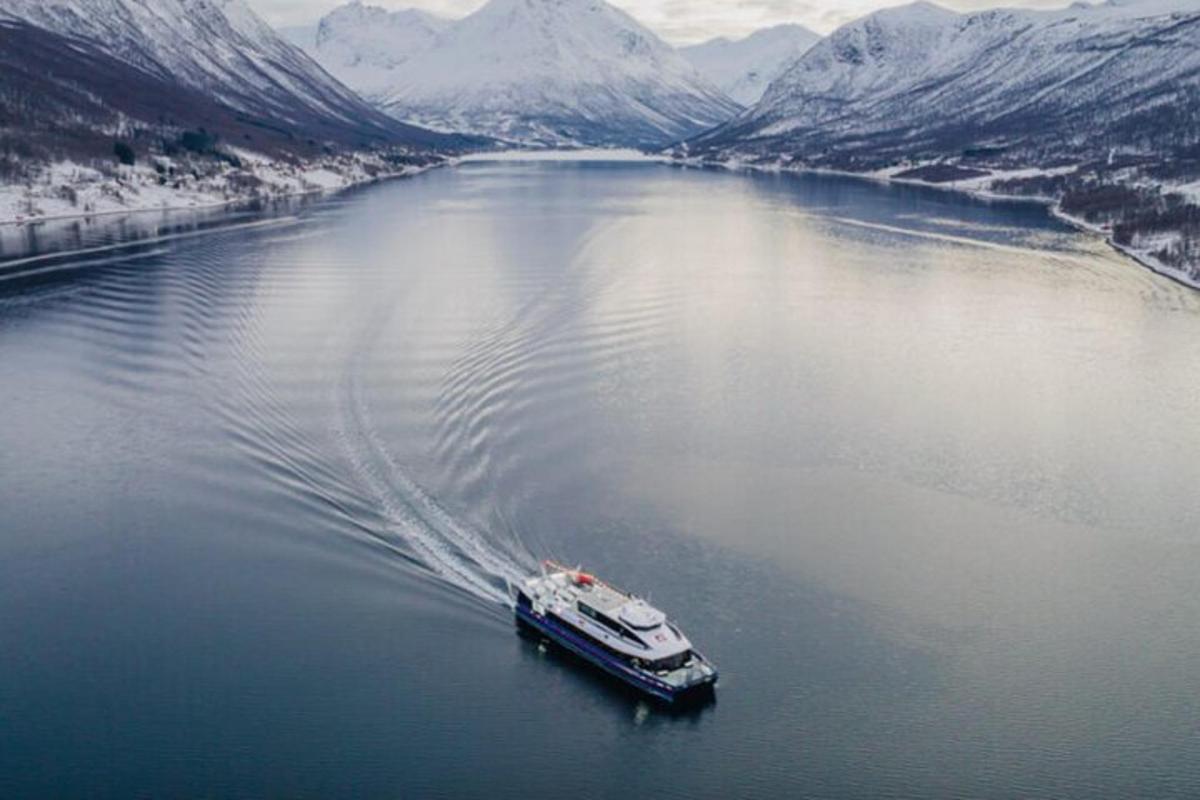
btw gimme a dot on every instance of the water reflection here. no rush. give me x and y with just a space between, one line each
915 472
39 248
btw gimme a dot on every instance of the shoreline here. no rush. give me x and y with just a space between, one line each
1144 259
33 221
1051 204
118 212
601 154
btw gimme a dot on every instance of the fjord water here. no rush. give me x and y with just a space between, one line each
917 472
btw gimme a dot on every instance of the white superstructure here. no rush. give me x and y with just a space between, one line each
612 628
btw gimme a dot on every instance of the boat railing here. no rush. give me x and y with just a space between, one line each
576 571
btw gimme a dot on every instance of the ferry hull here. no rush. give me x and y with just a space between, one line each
566 638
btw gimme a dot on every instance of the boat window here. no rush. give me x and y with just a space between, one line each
612 625
633 637
673 662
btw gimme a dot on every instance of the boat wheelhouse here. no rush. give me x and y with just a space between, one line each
622 634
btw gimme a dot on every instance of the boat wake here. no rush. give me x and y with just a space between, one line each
345 465
450 548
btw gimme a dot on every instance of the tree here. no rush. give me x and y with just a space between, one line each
124 153
197 141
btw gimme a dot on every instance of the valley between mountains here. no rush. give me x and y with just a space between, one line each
113 105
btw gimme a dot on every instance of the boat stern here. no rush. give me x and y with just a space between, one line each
695 680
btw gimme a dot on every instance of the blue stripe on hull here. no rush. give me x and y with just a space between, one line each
594 655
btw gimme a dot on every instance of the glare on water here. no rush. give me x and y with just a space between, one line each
916 472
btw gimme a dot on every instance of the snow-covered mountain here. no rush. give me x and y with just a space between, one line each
364 46
921 81
222 51
743 68
537 71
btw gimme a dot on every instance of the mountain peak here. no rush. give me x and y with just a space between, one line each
542 13
543 71
921 82
743 68
363 45
246 76
920 10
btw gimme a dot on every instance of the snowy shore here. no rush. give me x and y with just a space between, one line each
1143 254
65 190
617 154
982 187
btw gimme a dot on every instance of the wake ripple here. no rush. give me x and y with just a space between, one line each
456 552
364 485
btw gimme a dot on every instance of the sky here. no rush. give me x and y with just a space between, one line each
677 21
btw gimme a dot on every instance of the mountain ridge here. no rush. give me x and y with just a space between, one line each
549 72
920 80
1095 108
108 105
363 45
222 49
744 68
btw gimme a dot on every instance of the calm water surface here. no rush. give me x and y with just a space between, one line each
918 473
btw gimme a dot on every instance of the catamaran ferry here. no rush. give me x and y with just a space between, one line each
622 634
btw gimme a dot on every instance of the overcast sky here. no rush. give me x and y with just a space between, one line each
678 21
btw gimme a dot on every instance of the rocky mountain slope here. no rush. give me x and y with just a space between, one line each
170 94
550 72
744 68
222 49
1094 107
365 46
921 80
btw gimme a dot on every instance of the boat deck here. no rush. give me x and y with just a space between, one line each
614 630
559 587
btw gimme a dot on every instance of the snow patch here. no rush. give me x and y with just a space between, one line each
533 72
67 189
744 68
